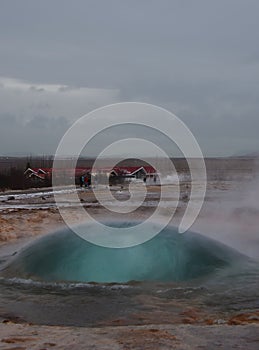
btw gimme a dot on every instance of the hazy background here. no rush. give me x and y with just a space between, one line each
61 59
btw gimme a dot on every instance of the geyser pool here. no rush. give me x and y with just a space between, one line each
170 256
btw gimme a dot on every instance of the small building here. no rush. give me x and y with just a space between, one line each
118 174
145 173
38 173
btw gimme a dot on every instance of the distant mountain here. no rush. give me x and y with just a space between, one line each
252 154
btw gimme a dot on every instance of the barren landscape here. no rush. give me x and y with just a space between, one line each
229 209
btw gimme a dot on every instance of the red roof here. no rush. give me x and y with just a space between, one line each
120 170
134 169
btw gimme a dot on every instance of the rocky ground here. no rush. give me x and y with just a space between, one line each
32 216
164 337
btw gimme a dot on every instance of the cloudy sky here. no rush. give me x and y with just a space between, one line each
60 59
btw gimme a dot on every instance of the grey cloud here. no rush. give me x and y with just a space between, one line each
7 120
40 135
36 89
198 58
40 106
48 123
65 88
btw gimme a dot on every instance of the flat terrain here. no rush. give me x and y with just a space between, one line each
164 337
230 209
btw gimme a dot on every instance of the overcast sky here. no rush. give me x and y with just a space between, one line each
197 58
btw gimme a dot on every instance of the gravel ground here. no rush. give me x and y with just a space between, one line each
183 337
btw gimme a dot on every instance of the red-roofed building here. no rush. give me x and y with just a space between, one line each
118 172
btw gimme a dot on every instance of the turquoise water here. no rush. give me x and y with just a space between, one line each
170 256
63 280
